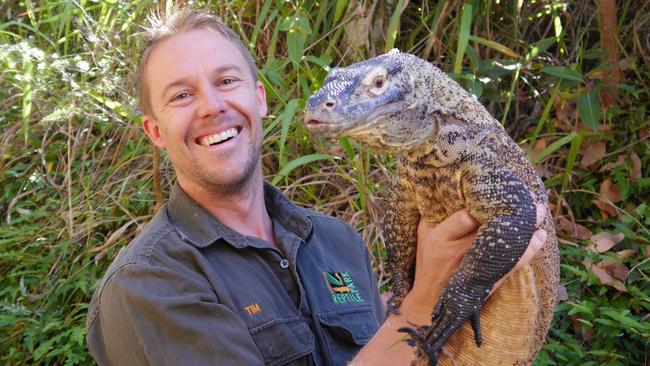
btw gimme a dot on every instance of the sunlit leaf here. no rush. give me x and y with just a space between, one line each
563 73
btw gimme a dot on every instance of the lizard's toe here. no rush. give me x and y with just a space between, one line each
476 327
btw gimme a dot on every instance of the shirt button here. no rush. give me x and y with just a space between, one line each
284 263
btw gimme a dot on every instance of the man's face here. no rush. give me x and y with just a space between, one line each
207 108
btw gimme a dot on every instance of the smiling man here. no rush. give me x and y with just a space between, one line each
229 271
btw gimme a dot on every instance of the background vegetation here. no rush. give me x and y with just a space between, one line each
568 79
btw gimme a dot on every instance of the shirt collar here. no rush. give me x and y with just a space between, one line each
197 226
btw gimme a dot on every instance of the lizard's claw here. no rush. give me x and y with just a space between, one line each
450 313
418 339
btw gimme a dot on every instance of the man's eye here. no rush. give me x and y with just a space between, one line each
180 96
227 81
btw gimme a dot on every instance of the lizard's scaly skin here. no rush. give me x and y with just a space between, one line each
452 154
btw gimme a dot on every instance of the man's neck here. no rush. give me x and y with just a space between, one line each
243 211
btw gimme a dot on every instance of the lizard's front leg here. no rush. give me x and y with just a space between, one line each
400 230
506 209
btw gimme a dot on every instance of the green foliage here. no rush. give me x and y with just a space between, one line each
77 174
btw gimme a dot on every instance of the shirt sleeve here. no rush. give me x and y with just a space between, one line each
162 316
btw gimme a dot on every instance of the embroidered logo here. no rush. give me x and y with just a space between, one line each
253 308
342 287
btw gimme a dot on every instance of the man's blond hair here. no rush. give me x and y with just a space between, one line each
175 21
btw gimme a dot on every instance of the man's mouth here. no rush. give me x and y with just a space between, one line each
219 138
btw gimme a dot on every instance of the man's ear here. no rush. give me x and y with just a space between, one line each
152 129
261 99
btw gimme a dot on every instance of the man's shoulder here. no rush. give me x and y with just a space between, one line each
142 247
135 257
319 218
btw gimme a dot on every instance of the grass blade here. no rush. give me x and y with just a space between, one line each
463 37
393 26
286 118
27 97
554 147
293 164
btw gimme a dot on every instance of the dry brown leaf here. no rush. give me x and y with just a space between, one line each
578 327
626 253
605 241
592 153
572 229
112 239
582 232
610 190
540 145
636 167
611 165
562 294
643 133
605 208
604 277
617 270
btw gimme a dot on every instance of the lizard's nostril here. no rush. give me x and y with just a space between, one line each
330 104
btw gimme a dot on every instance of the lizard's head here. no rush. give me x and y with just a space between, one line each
376 102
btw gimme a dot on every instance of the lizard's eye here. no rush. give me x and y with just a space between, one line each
375 82
378 85
379 82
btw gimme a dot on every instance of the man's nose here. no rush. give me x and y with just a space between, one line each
211 103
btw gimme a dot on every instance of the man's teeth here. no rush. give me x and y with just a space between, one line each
219 137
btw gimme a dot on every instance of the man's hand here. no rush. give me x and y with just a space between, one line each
439 253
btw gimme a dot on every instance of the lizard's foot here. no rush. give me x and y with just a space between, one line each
418 340
449 315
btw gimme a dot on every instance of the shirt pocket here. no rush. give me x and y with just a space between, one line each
346 331
283 340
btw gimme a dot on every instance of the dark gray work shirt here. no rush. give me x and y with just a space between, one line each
190 291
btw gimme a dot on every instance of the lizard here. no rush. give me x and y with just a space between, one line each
451 154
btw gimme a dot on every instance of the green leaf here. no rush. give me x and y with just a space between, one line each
554 146
393 26
630 89
341 5
563 73
27 99
293 164
323 61
589 109
286 118
540 47
495 46
347 147
295 45
463 37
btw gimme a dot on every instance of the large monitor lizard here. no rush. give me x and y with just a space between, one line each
452 154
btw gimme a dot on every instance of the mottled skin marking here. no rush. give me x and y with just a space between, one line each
452 154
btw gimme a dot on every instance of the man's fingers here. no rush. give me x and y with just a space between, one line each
455 227
541 212
536 243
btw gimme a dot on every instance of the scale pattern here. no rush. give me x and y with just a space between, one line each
452 154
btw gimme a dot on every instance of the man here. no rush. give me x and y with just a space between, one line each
229 272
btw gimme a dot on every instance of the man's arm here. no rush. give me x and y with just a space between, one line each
156 316
439 253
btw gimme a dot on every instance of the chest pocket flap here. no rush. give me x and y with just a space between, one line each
346 331
283 340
